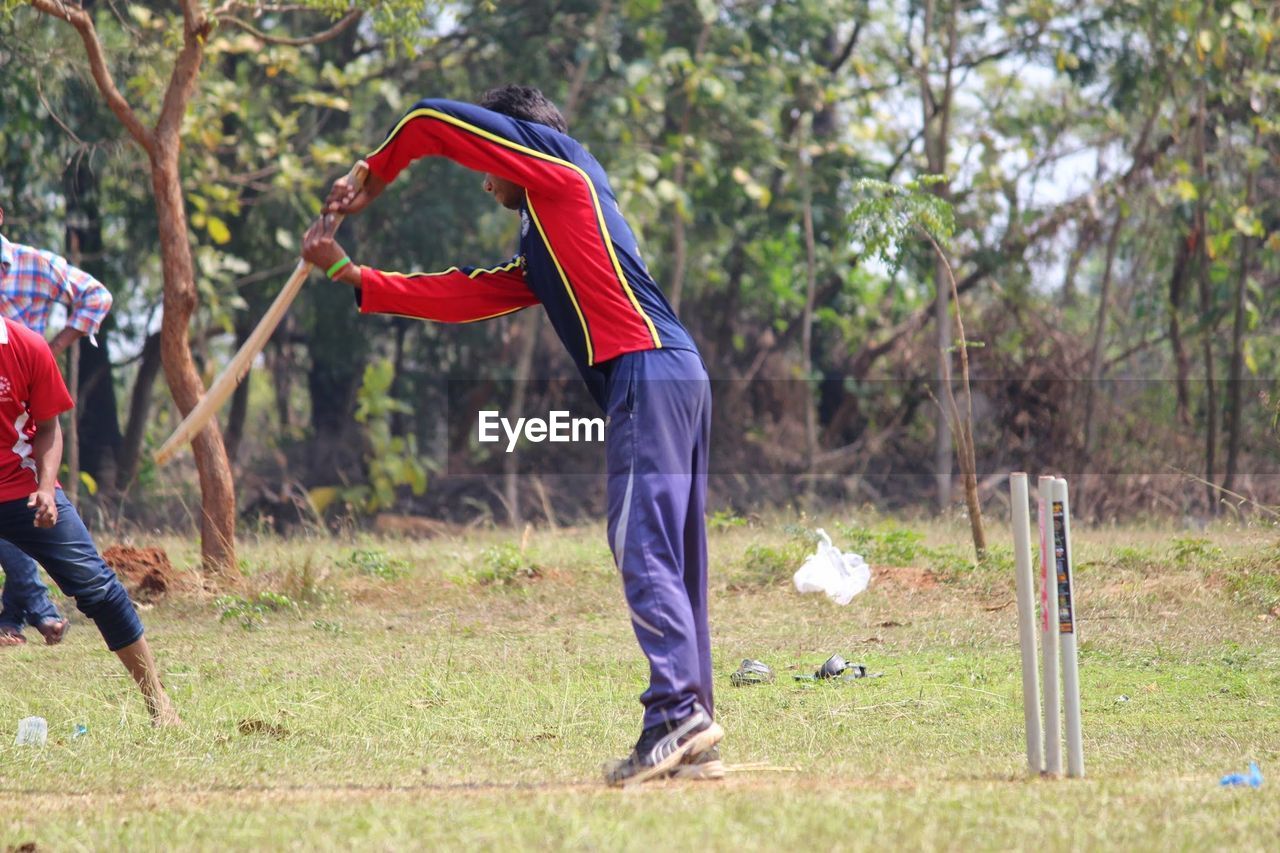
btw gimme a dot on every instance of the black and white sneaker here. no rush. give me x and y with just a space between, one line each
704 766
661 748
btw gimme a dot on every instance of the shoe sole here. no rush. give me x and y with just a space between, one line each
701 742
708 771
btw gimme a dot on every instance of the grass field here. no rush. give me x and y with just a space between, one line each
463 692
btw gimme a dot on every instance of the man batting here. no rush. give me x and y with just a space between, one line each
579 259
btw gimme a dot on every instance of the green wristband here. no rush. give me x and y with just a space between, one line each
333 270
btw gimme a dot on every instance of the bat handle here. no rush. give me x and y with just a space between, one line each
356 177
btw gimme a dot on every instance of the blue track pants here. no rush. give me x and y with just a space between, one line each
656 442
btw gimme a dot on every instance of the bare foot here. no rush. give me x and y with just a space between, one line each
164 715
53 630
10 637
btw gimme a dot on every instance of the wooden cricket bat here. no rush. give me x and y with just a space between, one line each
238 367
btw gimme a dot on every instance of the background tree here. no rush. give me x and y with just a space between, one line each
1111 168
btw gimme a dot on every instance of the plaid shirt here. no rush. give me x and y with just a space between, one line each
31 280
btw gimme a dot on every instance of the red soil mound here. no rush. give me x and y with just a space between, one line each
145 572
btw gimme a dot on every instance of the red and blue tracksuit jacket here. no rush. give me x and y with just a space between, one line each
578 257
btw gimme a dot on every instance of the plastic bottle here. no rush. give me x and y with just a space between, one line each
1252 779
32 731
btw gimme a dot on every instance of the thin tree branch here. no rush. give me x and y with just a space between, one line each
1134 350
77 17
186 69
336 30
1212 487
53 115
847 51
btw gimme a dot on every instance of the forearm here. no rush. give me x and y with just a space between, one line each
46 451
350 275
64 339
453 296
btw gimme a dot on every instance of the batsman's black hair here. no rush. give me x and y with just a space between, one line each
526 103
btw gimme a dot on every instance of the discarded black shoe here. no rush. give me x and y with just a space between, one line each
836 667
751 672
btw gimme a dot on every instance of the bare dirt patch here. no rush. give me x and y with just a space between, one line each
412 526
145 572
907 577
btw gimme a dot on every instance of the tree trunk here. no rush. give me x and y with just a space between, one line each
97 429
400 421
1085 236
684 98
218 500
942 447
1210 386
280 362
139 413
1236 378
72 448
339 350
1206 308
1234 390
961 420
1096 364
1177 295
100 437
529 334
936 113
806 333
239 409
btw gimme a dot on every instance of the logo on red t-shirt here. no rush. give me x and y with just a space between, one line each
31 391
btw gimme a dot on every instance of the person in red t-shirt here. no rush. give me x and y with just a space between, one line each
36 516
32 282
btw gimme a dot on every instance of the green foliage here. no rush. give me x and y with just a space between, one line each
251 612
504 565
767 563
1133 558
307 582
1253 579
887 217
393 460
1193 551
374 562
724 519
1258 587
887 544
951 563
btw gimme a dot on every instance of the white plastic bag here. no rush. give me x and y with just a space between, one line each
840 576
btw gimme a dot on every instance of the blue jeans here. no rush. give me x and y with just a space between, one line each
25 598
68 554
